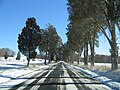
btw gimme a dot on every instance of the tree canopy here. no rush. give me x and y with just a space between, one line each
29 39
92 16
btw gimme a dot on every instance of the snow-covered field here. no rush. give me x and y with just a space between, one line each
12 69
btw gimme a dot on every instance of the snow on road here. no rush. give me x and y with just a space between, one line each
13 69
68 87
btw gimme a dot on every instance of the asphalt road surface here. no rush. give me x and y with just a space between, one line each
60 76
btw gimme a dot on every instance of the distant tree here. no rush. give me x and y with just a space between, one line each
6 55
18 56
43 45
29 38
54 41
66 52
10 52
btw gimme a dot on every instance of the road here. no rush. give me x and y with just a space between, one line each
60 76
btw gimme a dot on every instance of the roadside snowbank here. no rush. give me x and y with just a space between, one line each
106 81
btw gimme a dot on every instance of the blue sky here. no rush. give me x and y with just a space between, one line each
14 13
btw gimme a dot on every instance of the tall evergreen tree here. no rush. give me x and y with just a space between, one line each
75 40
50 41
29 39
54 41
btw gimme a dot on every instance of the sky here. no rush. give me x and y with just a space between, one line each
14 13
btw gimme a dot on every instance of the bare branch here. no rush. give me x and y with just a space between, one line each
103 31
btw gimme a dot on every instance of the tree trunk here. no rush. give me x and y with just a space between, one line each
92 49
54 57
45 58
49 57
71 57
28 62
114 49
86 53
113 44
92 58
79 57
28 58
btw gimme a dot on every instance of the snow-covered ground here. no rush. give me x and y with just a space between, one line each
10 69
102 72
104 69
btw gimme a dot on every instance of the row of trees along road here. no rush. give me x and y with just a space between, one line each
32 37
50 43
87 18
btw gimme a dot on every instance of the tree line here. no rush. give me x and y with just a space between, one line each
6 52
104 58
32 37
87 20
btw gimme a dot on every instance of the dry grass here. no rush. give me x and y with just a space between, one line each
104 67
